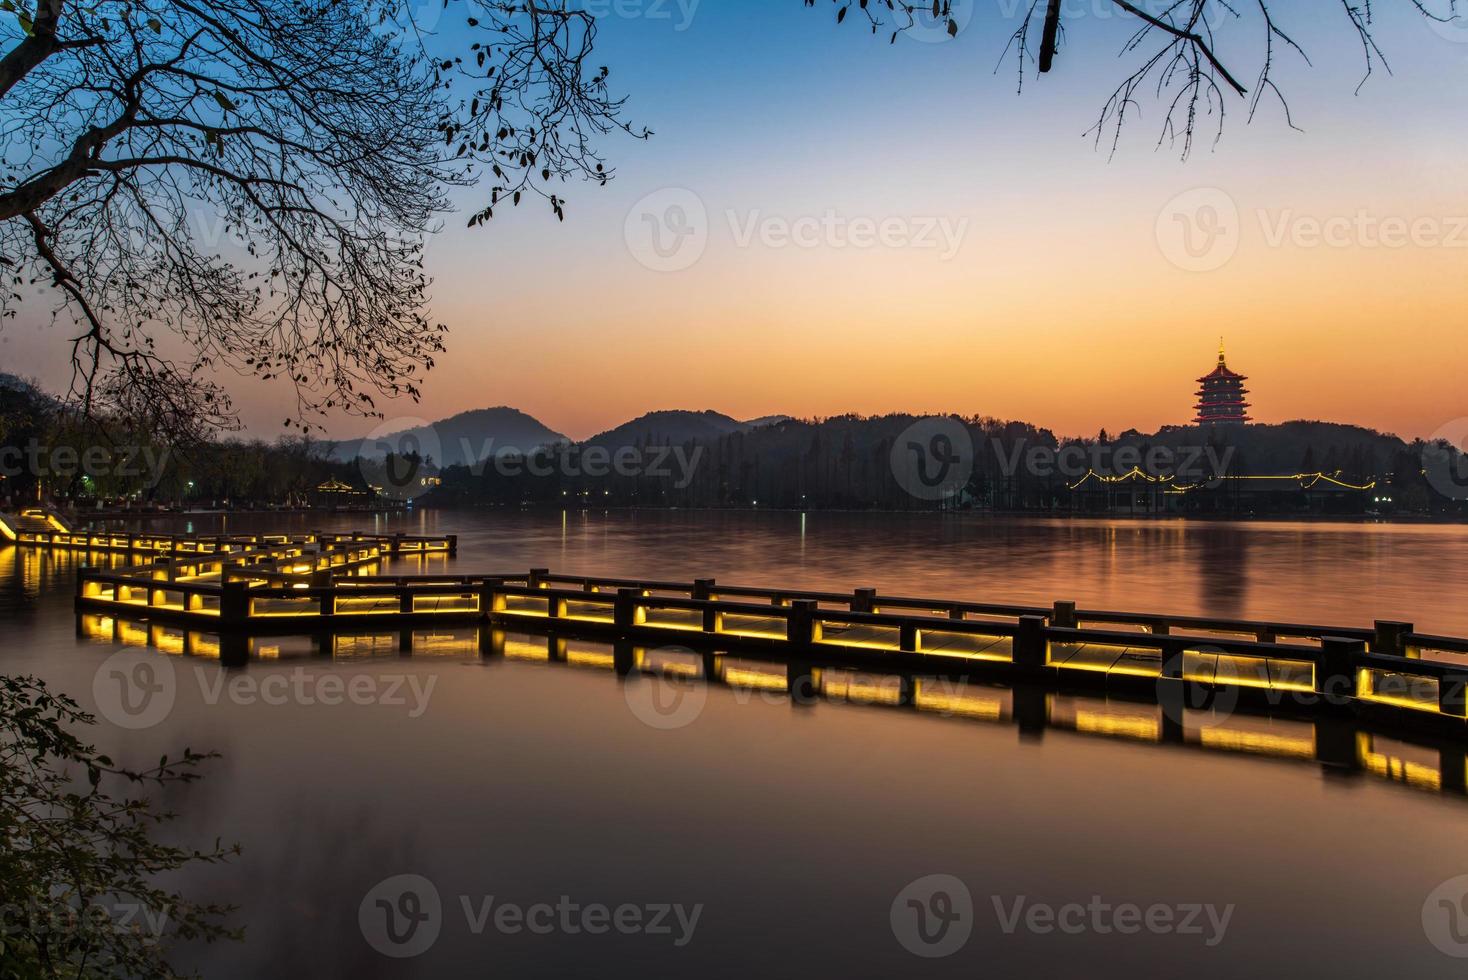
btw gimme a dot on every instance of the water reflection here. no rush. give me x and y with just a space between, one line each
1223 571
801 799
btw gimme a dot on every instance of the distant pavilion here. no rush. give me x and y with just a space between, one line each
1221 397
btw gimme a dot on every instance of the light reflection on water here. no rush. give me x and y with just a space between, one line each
531 776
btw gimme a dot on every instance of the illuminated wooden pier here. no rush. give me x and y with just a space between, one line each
1341 744
36 528
314 585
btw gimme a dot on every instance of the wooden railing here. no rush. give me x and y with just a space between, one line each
60 536
1378 668
1343 743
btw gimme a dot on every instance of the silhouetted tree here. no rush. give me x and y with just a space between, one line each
246 184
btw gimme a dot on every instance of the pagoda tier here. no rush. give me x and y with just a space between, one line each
1221 396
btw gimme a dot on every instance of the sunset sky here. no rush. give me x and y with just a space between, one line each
1059 306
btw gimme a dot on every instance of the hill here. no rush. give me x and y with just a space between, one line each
674 428
461 439
1290 447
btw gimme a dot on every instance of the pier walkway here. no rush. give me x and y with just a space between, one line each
317 585
1342 744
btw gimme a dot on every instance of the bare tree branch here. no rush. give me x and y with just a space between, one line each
247 185
1180 65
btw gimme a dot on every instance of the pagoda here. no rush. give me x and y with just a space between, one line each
1221 397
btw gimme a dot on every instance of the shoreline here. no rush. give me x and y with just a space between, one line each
1404 519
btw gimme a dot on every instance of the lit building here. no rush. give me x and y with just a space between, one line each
1221 397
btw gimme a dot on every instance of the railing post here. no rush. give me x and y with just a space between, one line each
801 628
1031 711
1336 745
1064 615
1451 698
1031 649
864 601
536 578
491 643
1391 638
328 594
234 603
555 607
1172 660
234 649
487 595
624 658
625 611
453 540
703 588
713 620
909 638
800 683
1454 769
1172 691
405 600
1335 670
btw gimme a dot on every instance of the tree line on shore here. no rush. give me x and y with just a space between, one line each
842 462
859 462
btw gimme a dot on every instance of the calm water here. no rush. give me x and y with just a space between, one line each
793 828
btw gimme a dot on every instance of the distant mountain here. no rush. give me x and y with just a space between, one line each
672 428
460 440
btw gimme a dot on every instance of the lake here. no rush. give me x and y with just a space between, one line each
558 820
